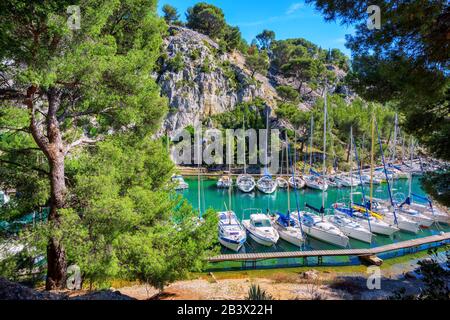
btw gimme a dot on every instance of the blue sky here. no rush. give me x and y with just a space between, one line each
288 18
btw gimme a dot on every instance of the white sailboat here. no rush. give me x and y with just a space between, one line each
245 182
351 228
363 217
316 183
296 182
266 184
314 225
287 228
225 182
260 229
318 228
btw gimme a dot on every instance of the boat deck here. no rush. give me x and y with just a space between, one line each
414 243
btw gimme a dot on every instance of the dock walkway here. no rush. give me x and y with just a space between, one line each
414 243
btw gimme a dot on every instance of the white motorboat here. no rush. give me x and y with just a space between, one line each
225 182
179 183
246 183
232 234
282 183
260 229
374 224
316 183
351 228
318 228
266 185
296 183
288 230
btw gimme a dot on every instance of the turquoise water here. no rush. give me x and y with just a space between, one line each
213 198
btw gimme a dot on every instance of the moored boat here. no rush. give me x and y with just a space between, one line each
232 234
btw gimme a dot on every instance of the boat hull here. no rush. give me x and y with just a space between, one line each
231 245
294 238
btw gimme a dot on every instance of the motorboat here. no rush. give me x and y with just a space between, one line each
246 183
232 234
318 228
261 230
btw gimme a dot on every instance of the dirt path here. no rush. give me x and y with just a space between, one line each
287 285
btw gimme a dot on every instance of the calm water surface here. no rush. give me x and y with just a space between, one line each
211 197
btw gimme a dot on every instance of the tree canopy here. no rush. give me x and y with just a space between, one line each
405 62
66 89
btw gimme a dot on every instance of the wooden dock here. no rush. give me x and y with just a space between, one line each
253 257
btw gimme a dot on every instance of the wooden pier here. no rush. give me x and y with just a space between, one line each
372 252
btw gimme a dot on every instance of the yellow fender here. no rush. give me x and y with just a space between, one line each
373 214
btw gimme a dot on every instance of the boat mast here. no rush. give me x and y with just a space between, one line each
324 169
394 152
311 132
385 173
245 144
287 171
410 172
372 160
351 168
199 143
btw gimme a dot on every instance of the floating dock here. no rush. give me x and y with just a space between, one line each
363 254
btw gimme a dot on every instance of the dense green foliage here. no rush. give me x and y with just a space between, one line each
405 62
92 86
341 117
253 113
171 15
207 19
257 61
265 39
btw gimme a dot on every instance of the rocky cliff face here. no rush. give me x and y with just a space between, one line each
200 81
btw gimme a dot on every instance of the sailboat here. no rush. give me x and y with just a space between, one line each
315 181
225 182
245 182
287 228
260 229
317 226
351 228
363 217
266 184
295 181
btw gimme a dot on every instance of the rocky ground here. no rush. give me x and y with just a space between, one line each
345 283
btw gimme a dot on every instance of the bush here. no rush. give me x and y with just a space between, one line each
176 64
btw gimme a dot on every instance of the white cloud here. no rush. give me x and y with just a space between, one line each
340 40
294 8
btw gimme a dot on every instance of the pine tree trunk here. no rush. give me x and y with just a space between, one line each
52 146
56 256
